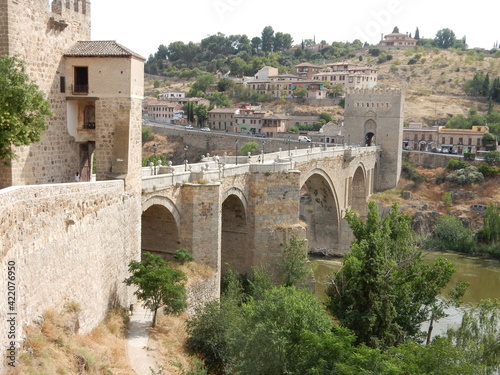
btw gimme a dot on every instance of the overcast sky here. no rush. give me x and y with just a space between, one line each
143 25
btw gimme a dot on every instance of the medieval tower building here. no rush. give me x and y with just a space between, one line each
375 117
71 242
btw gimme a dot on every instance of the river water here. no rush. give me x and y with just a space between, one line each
482 274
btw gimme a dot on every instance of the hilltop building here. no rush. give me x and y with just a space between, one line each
397 40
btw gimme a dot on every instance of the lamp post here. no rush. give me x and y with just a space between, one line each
263 152
236 151
289 138
185 157
155 147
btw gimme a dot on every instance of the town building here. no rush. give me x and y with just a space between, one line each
223 119
351 76
171 95
160 110
307 70
260 122
439 138
397 40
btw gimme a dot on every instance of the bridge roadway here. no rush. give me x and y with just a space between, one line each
240 212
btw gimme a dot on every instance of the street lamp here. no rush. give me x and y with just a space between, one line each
236 151
185 157
289 138
263 152
155 147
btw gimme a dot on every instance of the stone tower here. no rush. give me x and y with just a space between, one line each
95 90
375 117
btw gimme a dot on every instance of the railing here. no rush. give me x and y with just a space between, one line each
157 177
80 89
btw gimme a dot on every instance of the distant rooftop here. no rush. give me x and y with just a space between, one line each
102 48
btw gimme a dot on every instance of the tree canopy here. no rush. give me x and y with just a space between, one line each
158 285
23 107
384 291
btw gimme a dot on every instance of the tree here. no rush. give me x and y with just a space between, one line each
300 94
201 112
417 34
325 117
23 108
294 269
251 147
384 291
202 84
395 30
492 157
267 39
490 232
445 38
270 334
478 336
158 285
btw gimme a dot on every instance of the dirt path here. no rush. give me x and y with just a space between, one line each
141 356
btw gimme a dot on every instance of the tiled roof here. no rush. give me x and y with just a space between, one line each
102 48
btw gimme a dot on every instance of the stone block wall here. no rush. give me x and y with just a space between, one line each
27 31
70 243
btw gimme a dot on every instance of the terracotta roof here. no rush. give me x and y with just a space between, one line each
102 48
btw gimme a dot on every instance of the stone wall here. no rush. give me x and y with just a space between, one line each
428 160
30 34
202 292
226 141
70 243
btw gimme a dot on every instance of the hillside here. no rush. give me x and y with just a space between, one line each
433 83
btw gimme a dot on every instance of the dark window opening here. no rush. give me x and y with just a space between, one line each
62 84
89 117
81 80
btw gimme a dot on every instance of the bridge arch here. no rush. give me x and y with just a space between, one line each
319 208
359 190
235 237
160 224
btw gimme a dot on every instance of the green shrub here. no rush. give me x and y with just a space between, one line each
146 134
183 255
488 170
493 158
412 174
467 175
455 164
469 156
451 234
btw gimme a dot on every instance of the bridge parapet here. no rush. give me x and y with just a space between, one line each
161 177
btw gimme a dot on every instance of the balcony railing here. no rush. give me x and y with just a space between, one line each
80 89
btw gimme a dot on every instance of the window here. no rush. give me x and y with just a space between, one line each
442 140
81 85
479 141
451 140
89 117
62 84
430 137
470 141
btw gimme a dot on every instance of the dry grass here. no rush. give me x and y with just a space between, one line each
53 347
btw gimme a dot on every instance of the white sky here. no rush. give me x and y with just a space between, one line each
143 25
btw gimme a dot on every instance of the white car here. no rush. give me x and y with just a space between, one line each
205 129
188 127
303 138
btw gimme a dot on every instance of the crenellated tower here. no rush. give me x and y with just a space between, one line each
375 117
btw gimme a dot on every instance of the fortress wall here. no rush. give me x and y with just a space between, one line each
70 243
29 30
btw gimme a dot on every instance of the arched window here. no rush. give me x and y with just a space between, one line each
89 117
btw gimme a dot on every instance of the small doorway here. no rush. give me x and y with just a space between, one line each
86 151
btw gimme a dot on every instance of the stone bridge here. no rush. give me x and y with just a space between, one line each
240 211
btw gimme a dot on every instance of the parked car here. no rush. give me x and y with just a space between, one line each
303 138
205 129
260 135
188 127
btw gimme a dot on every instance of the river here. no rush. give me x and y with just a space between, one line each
482 274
